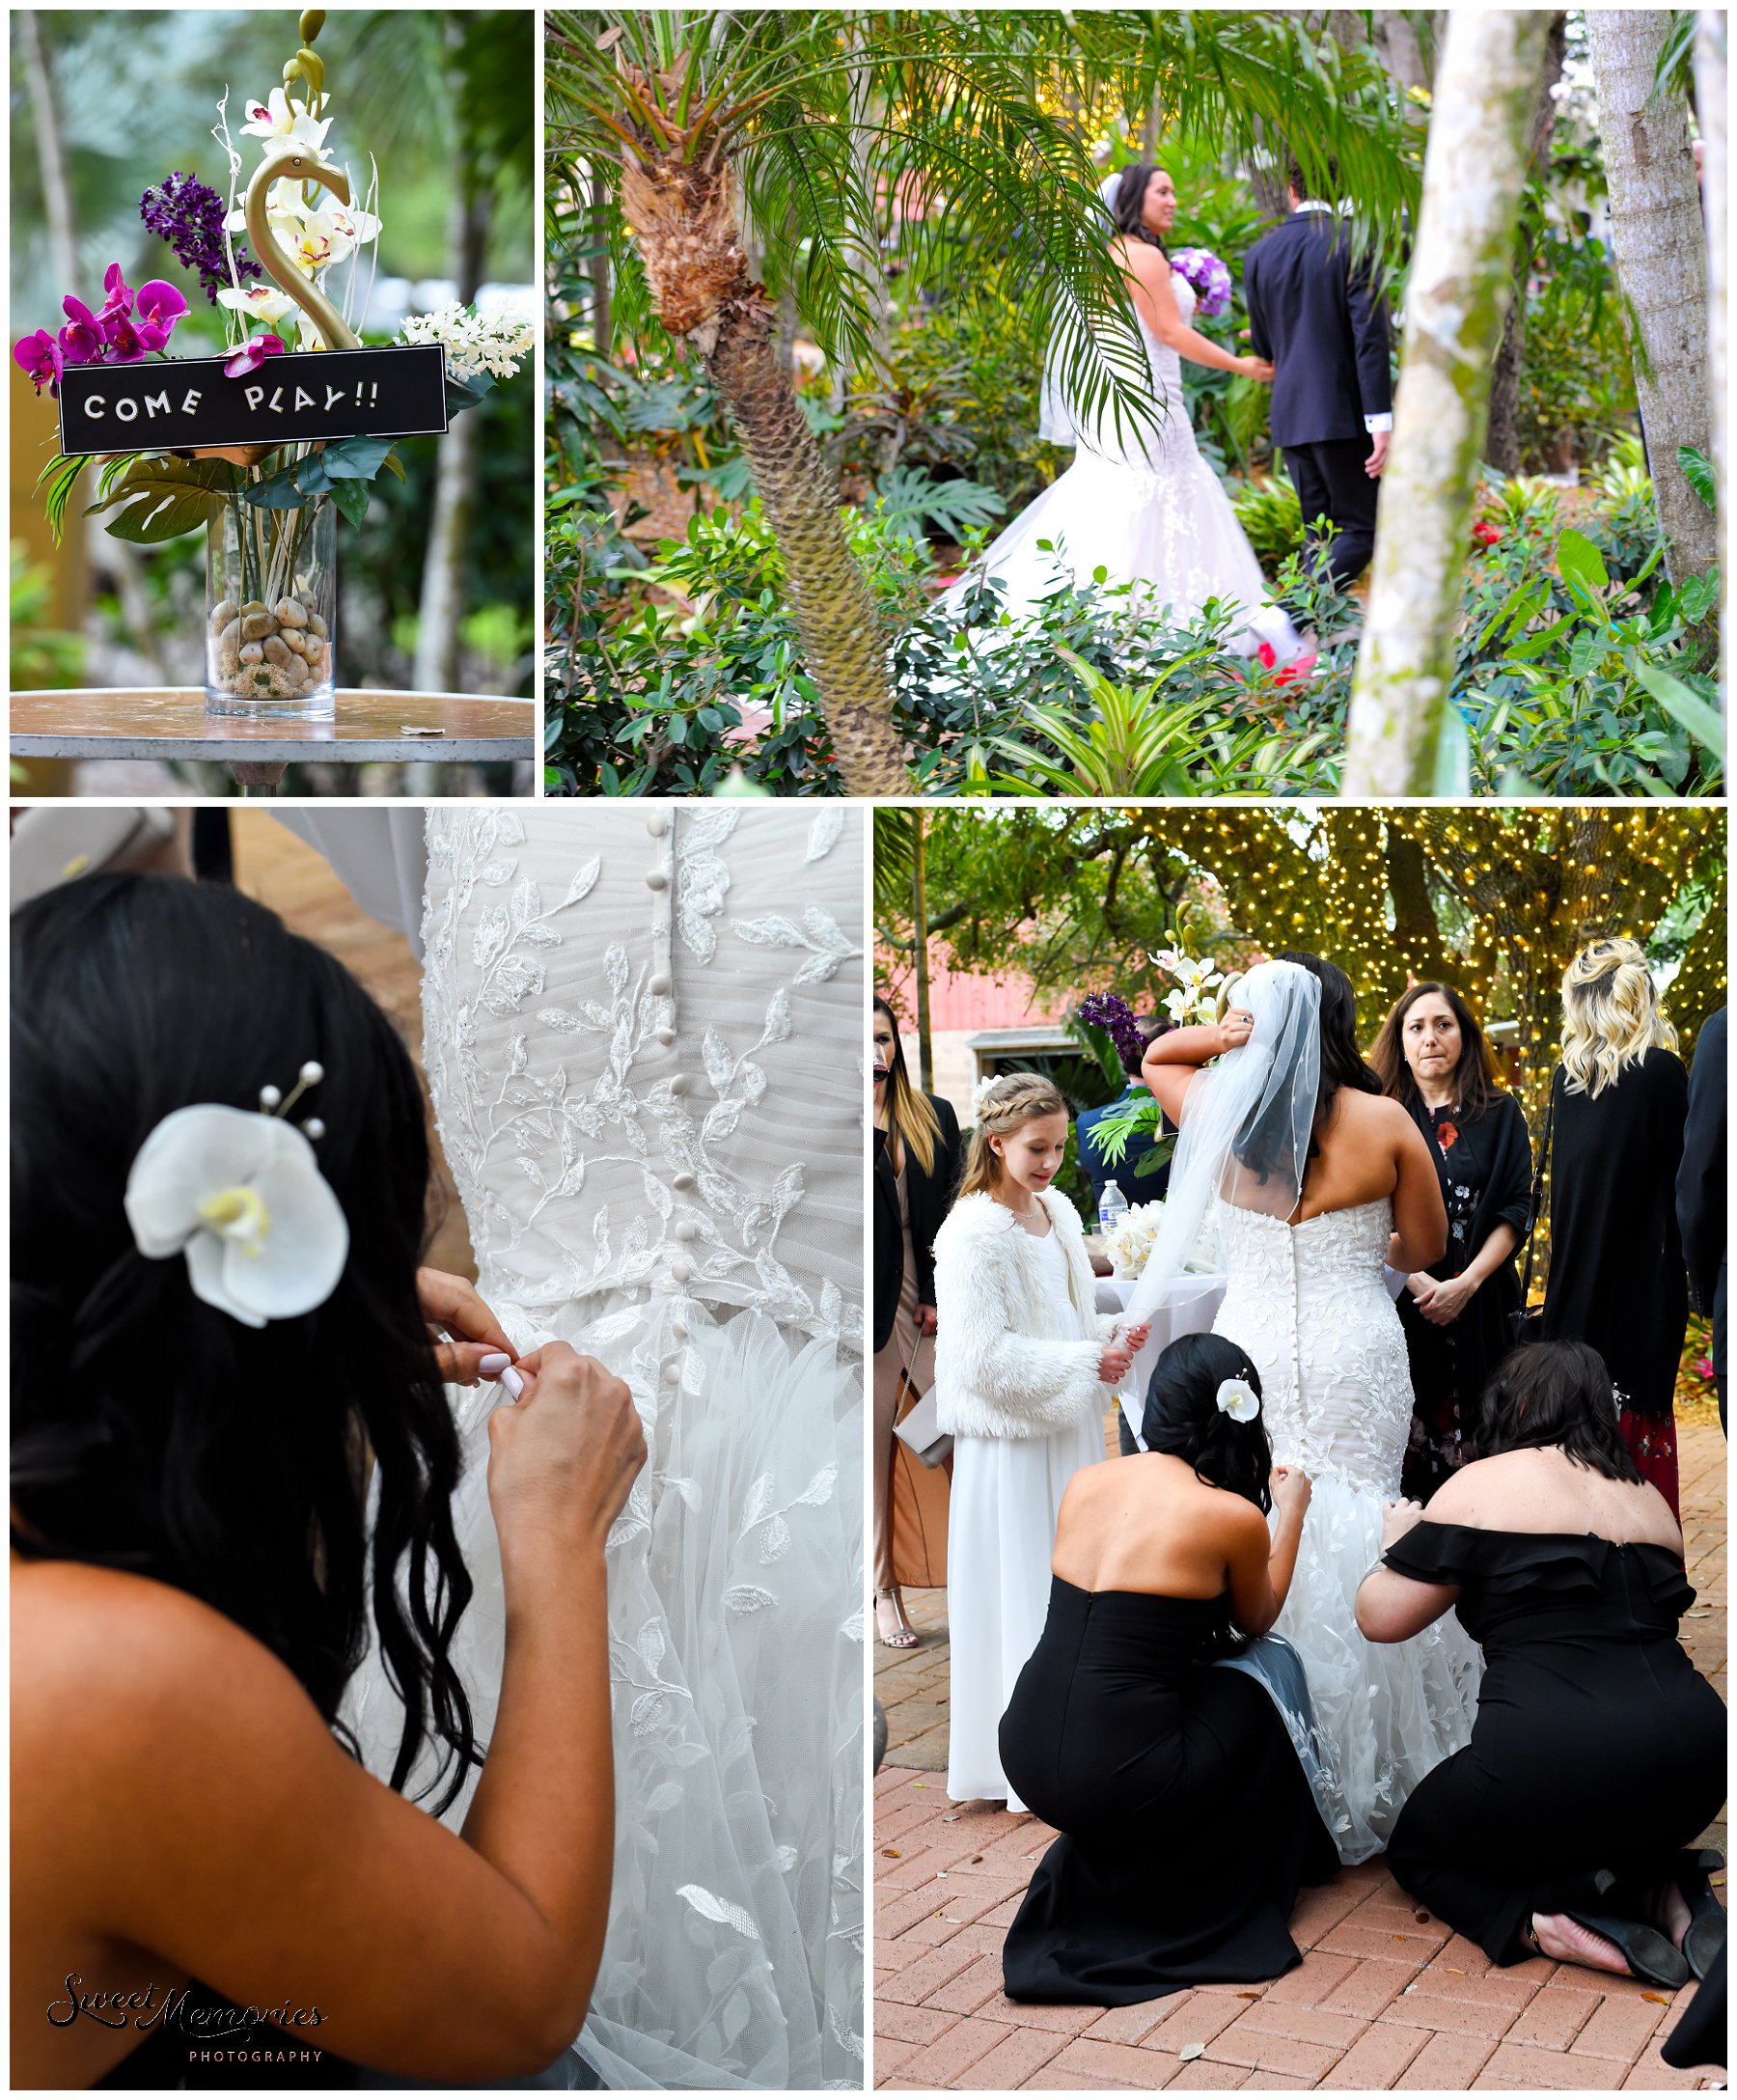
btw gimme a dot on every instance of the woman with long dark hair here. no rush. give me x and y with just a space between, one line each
1617 1277
232 1465
1566 1826
916 1158
1458 1314
1138 501
1188 1821
1317 1182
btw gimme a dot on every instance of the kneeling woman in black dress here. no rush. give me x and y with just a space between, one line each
1189 1822
1598 1753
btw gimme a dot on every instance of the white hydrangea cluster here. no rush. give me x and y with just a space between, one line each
1131 1242
497 343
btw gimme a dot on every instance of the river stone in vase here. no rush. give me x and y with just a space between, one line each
271 611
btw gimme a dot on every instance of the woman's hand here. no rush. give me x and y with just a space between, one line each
1291 1491
928 1319
478 1336
1421 1284
1234 1030
1445 1299
1115 1362
1135 1338
1396 1519
1257 368
561 1459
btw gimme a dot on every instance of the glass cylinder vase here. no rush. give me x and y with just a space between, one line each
272 610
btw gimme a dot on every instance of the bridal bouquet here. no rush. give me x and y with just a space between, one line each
280 254
1210 277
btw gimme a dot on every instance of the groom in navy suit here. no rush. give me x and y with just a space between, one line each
1314 315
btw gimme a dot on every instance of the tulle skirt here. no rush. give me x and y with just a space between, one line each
734 1954
1168 529
1386 1715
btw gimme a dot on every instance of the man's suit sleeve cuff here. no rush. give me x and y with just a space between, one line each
1375 424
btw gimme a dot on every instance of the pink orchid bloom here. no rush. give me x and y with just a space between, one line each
160 306
252 354
83 341
118 297
40 356
128 342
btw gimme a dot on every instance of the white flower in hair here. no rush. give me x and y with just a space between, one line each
980 1093
242 1194
1238 1400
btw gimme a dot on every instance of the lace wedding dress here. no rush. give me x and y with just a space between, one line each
1144 507
647 1064
1308 1304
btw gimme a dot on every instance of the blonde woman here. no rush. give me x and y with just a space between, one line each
1617 1275
916 1154
1025 1366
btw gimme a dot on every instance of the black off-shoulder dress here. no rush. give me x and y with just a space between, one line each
1189 1824
1597 1742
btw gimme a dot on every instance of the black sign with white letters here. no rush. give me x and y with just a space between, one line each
172 404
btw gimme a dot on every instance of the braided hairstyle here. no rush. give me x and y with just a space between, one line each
1009 1100
1183 1417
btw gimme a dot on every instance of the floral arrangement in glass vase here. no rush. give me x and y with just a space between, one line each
281 255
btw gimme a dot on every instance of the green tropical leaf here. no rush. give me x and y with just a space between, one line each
1702 722
55 485
1697 472
355 458
352 496
160 499
1580 562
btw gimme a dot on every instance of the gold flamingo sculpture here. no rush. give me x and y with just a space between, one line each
292 163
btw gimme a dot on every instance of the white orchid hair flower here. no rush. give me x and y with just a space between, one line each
239 1193
1238 1400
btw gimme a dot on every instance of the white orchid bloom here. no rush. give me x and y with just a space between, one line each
240 1194
1238 1400
279 119
260 302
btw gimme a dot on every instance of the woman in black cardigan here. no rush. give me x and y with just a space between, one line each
1457 1314
916 1159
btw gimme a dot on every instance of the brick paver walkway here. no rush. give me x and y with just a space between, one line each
1386 1997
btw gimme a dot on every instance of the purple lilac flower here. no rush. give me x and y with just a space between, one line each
1210 277
189 216
1105 1011
40 356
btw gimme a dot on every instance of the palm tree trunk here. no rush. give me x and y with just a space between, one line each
1501 447
841 637
1460 286
594 201
1661 256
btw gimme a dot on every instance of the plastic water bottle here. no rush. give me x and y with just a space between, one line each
1113 1208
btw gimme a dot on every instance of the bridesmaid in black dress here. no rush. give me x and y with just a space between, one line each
1457 1314
1189 1822
1598 1756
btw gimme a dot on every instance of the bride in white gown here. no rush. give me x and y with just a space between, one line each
1138 501
1317 1185
646 1064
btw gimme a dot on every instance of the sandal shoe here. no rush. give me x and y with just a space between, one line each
1706 1933
903 1635
1649 1954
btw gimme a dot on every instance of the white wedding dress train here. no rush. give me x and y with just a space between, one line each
1144 507
646 1064
1310 1305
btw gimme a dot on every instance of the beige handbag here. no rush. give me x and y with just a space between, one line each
919 1428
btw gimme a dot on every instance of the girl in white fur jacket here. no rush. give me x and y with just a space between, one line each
1025 1366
